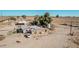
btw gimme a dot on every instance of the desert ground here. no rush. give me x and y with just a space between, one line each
57 38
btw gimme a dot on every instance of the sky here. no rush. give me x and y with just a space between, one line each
39 12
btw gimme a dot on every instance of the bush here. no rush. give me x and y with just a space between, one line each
12 18
42 20
34 22
23 16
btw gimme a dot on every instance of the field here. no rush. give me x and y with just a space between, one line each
57 38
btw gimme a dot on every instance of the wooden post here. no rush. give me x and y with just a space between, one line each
71 29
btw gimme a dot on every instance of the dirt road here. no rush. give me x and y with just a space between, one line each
57 39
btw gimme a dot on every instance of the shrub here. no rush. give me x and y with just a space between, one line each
42 20
23 16
12 18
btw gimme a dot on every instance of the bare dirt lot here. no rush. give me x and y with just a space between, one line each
58 38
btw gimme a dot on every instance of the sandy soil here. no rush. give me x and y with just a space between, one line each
57 39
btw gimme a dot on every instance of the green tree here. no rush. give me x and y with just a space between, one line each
42 20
